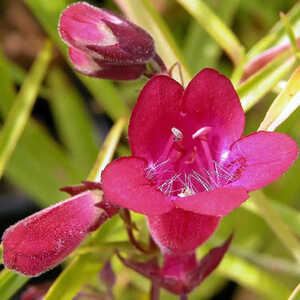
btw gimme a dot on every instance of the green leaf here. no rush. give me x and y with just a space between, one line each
78 273
10 283
48 12
251 277
20 112
144 14
277 33
199 48
75 127
216 28
108 149
258 85
289 215
284 104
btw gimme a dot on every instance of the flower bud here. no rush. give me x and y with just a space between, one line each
44 239
104 45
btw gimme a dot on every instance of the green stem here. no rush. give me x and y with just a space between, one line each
277 225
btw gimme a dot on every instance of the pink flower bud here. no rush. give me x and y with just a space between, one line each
102 44
90 66
44 239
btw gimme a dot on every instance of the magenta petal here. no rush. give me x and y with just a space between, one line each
262 157
124 183
210 100
219 202
43 240
181 231
156 112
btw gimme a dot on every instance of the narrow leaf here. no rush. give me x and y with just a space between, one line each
108 149
78 273
284 104
10 283
74 124
20 112
252 90
200 49
216 28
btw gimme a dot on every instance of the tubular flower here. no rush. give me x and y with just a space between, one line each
44 239
102 44
190 165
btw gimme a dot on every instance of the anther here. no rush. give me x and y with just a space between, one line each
178 134
201 132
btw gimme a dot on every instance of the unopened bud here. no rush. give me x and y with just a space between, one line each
102 44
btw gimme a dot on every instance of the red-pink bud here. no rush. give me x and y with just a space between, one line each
90 66
44 239
102 44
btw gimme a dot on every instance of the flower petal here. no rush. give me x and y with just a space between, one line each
41 241
261 158
219 202
156 112
124 183
210 100
181 231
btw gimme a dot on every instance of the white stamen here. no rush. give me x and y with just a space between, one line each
202 131
178 134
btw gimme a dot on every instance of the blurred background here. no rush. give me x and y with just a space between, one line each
69 122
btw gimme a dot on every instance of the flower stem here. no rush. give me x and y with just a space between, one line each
155 291
295 293
184 297
278 226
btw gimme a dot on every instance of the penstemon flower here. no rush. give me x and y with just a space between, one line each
190 165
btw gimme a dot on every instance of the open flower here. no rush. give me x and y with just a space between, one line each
190 165
44 239
102 44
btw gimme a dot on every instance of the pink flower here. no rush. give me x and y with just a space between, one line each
190 165
102 44
44 239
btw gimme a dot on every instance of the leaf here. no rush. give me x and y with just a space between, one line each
277 33
252 90
39 148
216 28
48 12
20 112
10 283
199 48
108 149
284 104
251 277
78 273
75 126
143 13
